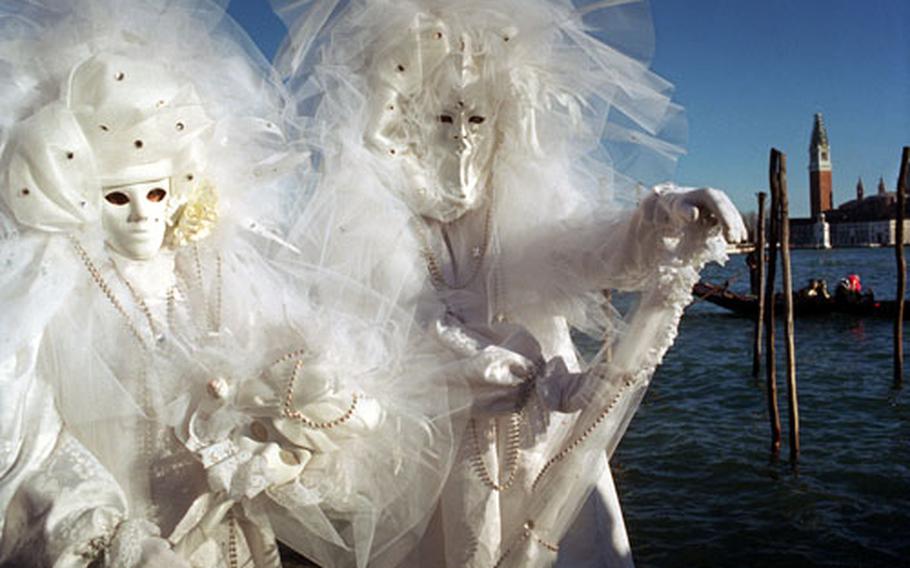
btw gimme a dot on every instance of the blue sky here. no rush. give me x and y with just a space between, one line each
752 74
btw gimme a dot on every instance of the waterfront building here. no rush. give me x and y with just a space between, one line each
861 222
867 221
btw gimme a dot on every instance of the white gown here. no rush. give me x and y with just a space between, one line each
227 389
502 275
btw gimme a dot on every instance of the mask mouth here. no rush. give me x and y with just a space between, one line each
459 174
448 198
462 201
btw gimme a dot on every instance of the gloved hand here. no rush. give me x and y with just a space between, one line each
499 366
489 363
243 467
684 208
505 372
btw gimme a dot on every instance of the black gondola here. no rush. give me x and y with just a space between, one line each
747 304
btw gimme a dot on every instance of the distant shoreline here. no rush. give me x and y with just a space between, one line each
745 248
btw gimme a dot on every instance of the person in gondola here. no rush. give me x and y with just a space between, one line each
817 290
850 291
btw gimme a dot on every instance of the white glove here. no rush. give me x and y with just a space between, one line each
498 366
494 372
244 468
684 208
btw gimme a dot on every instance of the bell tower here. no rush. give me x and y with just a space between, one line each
820 191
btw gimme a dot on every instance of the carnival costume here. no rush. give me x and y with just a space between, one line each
494 147
178 381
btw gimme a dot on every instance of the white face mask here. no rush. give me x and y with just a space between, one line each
450 170
134 217
449 161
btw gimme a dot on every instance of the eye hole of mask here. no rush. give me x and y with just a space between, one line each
446 119
477 119
117 198
156 195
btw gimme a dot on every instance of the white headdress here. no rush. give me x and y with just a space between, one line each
580 121
120 121
567 73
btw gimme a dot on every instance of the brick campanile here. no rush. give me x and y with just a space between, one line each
820 190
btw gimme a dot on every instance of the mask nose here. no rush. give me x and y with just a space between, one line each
461 137
138 211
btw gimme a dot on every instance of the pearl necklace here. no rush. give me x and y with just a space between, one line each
213 311
287 406
513 442
440 282
108 292
434 267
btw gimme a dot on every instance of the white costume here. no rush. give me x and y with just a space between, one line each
472 132
178 382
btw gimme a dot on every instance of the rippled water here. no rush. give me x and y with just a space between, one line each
694 474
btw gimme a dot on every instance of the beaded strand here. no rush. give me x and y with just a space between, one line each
574 444
233 557
513 439
106 288
478 254
288 356
217 313
526 534
140 301
289 411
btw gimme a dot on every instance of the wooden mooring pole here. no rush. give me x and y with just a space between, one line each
760 277
787 285
902 183
770 370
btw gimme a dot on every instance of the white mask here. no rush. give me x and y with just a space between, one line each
435 114
449 173
134 217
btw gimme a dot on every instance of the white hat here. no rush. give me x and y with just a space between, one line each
122 121
52 182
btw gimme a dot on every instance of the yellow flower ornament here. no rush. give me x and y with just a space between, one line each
196 218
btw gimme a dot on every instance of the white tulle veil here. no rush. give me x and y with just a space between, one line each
583 122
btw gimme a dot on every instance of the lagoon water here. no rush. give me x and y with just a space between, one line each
693 471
